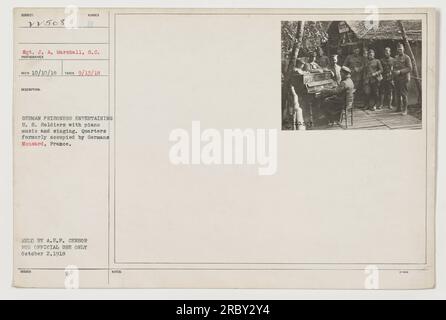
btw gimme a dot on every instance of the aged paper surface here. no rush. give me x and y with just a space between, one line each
206 148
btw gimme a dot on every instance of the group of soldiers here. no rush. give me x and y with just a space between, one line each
376 81
380 80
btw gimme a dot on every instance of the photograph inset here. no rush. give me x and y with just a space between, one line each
351 75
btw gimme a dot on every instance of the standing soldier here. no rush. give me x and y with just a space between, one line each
334 68
355 62
341 56
402 68
387 84
322 60
372 79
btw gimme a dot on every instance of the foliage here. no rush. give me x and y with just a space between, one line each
314 35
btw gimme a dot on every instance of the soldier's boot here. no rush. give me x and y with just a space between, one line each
381 101
389 101
398 105
404 109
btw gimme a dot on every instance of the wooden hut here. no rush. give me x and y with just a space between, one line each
344 35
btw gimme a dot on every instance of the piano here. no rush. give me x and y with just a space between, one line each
310 87
316 82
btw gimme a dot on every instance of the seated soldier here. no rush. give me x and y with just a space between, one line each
339 97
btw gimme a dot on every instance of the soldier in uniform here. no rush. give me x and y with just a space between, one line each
342 95
402 68
322 60
387 84
341 56
355 62
372 79
334 68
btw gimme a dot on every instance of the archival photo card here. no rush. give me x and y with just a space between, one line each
156 148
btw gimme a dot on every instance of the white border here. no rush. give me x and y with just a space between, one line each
7 292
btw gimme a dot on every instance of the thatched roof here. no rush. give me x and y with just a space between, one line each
386 30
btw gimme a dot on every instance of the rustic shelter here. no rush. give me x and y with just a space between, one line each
344 35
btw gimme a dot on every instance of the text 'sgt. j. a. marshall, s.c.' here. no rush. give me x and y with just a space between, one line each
229 148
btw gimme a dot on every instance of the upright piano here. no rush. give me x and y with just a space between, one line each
310 87
315 83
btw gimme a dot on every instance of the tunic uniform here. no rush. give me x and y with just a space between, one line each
402 64
373 71
343 95
323 61
387 84
336 71
356 64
